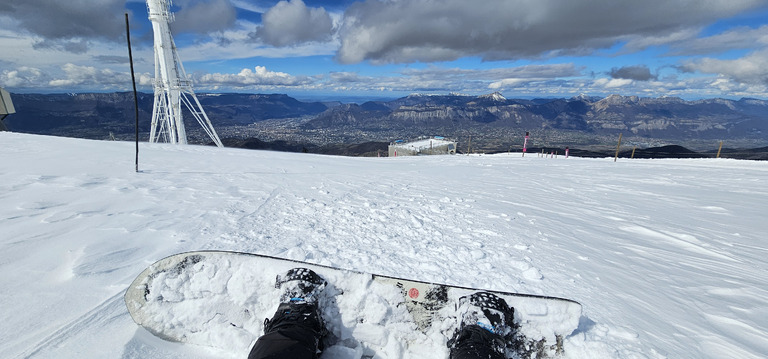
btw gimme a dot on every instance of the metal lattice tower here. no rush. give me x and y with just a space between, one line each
172 87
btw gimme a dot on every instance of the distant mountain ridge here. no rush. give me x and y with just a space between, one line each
671 119
91 112
665 117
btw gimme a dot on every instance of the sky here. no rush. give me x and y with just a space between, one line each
390 48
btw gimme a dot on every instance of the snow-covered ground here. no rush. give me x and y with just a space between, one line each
423 144
668 257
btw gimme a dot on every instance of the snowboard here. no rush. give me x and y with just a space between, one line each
220 299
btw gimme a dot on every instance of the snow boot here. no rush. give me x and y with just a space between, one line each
297 328
486 326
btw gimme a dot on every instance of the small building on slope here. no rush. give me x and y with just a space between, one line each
436 145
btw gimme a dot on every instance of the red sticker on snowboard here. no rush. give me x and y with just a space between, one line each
413 293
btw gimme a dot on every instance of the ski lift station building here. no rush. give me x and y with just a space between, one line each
436 145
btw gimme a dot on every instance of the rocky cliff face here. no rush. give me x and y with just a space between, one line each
658 117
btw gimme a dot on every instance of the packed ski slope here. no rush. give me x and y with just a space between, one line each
666 256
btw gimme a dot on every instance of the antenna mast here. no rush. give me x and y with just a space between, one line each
172 87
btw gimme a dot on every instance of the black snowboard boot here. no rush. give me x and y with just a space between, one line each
296 329
486 326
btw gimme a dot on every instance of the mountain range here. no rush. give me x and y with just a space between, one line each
662 118
493 122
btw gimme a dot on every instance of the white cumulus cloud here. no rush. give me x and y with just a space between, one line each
259 76
22 77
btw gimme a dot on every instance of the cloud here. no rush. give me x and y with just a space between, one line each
259 76
612 83
75 25
76 75
79 46
203 16
511 82
750 69
291 23
22 77
249 5
689 42
442 30
638 73
516 77
672 38
70 77
435 78
347 77
442 79
114 59
738 38
56 20
430 79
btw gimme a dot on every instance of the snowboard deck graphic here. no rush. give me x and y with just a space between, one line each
220 299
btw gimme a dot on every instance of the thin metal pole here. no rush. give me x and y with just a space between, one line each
719 149
469 145
135 96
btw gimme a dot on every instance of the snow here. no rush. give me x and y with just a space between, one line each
496 96
667 257
422 144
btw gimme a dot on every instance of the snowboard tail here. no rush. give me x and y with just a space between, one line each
220 299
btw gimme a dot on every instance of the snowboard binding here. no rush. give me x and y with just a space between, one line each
488 311
485 321
300 285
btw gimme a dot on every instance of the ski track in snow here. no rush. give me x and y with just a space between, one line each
666 256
